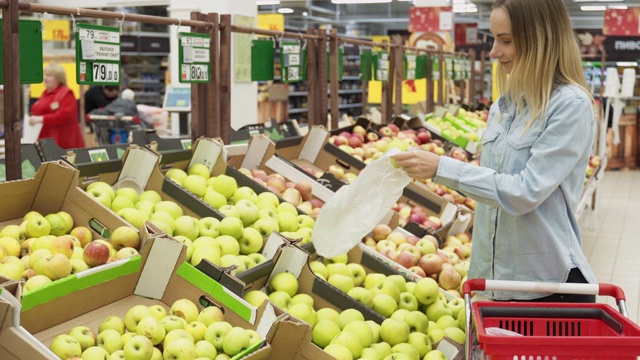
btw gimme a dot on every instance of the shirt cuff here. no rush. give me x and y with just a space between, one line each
449 171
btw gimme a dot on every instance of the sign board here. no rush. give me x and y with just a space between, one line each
410 66
177 98
430 19
381 66
435 67
56 30
271 22
262 60
291 61
193 58
31 70
97 55
622 22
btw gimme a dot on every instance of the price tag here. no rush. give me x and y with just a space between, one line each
97 55
291 62
194 58
194 73
88 50
187 54
105 72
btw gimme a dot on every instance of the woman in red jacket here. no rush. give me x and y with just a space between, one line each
57 110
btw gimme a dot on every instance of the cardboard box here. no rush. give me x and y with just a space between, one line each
162 277
31 161
107 153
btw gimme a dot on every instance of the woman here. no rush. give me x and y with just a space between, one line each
534 153
57 110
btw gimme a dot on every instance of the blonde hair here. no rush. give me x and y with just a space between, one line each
58 72
546 50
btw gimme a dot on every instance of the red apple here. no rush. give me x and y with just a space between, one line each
417 218
316 203
389 252
95 254
463 251
371 137
340 140
355 142
304 188
412 239
449 279
424 137
260 174
431 264
277 183
386 131
380 232
407 259
418 271
393 128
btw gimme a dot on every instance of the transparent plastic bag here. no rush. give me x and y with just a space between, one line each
356 209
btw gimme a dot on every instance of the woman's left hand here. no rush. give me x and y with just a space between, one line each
35 119
418 164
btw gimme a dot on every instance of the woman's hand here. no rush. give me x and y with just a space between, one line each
35 119
418 164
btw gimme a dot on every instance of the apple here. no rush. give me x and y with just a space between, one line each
54 267
113 323
426 291
255 297
185 309
139 347
134 315
11 246
30 215
281 299
362 295
394 332
339 351
438 309
152 329
304 312
408 258
347 316
121 202
65 346
199 169
435 355
284 281
205 252
58 224
96 253
124 236
357 273
83 234
205 349
35 282
384 304
431 263
209 226
186 226
100 196
257 258
343 282
214 198
328 314
216 333
110 340
319 269
324 331
380 232
13 271
408 301
229 245
362 330
350 341
387 286
85 336
172 322
449 278
210 314
266 226
373 279
126 252
197 330
231 226
37 227
16 232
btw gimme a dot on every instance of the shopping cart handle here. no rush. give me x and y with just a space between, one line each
543 287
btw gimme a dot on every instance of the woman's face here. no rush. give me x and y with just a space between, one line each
50 82
503 49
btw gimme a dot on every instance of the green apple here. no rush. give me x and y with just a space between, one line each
257 258
65 346
435 355
121 202
303 298
324 331
269 197
178 334
389 287
455 305
185 309
347 316
133 216
384 304
411 287
327 313
287 207
214 198
426 291
209 226
216 333
225 185
438 309
164 228
400 281
408 350
337 268
95 353
421 342
339 351
139 347
435 334
150 195
229 245
207 241
231 226
206 350
462 319
373 279
205 252
417 321
249 211
382 348
284 281
196 329
210 314
357 273
11 246
103 186
152 329
172 322
304 312
165 217
394 332
446 321
455 334
35 282
266 225
126 337
318 269
370 354
408 301
37 227
251 241
158 311
100 196
124 236
362 295
375 331
169 206
31 214
199 169
110 340
85 336
340 259
255 297
119 355
15 232
244 193
399 314
230 260
177 175
187 225
145 206
113 323
362 330
305 221
287 221
351 342
267 213
195 184
134 315
281 299
343 282
157 354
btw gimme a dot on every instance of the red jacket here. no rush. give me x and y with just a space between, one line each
59 109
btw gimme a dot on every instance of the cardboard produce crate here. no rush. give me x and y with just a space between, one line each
161 277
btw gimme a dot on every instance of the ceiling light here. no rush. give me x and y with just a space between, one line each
617 7
627 63
285 10
359 1
591 1
267 2
593 8
464 8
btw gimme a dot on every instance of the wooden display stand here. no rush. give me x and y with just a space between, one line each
625 154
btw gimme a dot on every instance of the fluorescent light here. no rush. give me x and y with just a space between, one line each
617 7
359 1
304 13
464 8
593 8
591 1
627 63
267 2
285 10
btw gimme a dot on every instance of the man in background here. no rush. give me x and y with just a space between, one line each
98 97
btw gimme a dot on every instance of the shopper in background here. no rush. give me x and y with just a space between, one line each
57 110
98 97
534 155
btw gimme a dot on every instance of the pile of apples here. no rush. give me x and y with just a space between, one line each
448 266
263 212
43 249
417 215
450 195
346 335
300 193
153 333
594 163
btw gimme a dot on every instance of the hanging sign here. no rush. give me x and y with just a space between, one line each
193 58
435 67
262 54
97 55
366 59
340 63
291 61
381 66
421 66
56 30
410 65
31 67
448 63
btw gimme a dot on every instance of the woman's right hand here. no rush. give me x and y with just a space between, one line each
418 164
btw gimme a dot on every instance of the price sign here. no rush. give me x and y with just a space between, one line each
291 62
448 64
97 55
435 68
410 65
381 66
194 58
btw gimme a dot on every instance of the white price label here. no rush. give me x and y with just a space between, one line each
293 73
195 41
383 64
88 50
195 72
106 72
99 35
411 61
187 54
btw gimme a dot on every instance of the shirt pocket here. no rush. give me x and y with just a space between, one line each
517 140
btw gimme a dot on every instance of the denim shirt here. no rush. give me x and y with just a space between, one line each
527 190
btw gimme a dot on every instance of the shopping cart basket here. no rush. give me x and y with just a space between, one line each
553 331
113 129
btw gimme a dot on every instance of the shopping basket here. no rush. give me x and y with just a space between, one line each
113 129
550 331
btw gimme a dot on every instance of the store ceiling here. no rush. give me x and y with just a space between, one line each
367 19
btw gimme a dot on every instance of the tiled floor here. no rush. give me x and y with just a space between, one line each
611 236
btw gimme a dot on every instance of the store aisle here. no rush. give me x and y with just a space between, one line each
611 236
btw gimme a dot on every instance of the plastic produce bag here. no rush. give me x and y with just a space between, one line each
356 209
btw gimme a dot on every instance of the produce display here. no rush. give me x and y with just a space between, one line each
156 333
45 248
594 163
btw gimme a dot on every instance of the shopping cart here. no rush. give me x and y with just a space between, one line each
113 129
549 331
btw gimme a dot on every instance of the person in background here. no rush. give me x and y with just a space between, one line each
57 110
534 154
98 97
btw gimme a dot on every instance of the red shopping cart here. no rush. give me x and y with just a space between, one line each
113 129
550 331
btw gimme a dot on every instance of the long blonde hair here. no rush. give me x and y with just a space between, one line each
546 50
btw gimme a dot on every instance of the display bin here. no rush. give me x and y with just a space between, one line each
160 278
560 331
31 161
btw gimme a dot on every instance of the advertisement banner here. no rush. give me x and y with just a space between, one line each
622 22
466 34
430 19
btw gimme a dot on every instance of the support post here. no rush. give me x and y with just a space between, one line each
334 89
225 78
11 68
321 94
212 119
198 94
398 70
312 81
